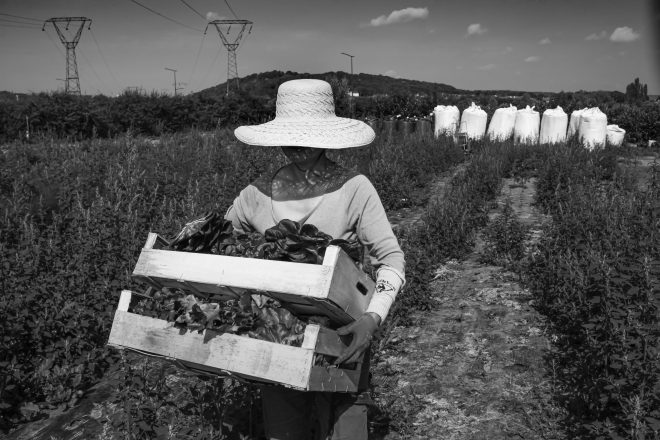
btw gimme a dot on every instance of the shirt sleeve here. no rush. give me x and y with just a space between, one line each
373 229
375 233
240 211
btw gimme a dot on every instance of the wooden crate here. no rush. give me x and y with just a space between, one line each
223 354
337 288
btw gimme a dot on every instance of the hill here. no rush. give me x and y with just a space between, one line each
266 84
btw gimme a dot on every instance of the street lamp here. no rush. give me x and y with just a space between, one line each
174 72
350 91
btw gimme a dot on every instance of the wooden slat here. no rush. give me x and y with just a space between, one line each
338 380
350 288
310 337
124 300
209 271
330 343
248 357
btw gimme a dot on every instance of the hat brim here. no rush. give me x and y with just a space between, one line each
330 133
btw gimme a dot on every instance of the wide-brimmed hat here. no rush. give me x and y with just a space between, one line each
305 117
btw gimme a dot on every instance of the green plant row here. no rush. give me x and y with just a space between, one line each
597 277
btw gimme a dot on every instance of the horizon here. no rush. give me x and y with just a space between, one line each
517 45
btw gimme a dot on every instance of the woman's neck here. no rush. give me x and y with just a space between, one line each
319 163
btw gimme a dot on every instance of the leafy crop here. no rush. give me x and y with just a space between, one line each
73 217
504 239
598 279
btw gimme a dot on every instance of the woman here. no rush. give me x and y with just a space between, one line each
344 204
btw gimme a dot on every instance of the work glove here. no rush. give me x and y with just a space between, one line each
363 330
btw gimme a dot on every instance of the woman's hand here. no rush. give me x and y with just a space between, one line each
363 330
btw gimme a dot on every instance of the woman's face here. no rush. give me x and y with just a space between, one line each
302 155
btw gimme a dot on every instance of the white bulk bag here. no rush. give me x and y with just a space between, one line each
473 122
526 128
553 126
593 128
446 119
615 135
574 124
502 123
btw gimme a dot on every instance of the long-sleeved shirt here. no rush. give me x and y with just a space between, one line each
351 210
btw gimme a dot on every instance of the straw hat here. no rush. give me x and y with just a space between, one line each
305 117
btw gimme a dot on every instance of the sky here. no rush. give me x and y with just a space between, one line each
530 45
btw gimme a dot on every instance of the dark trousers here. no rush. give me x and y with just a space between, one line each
299 415
302 415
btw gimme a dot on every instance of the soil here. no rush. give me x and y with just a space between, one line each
474 367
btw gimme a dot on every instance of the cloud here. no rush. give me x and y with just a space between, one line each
507 49
596 36
391 73
476 29
486 67
546 40
400 16
624 34
210 16
532 59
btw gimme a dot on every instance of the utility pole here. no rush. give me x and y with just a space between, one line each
176 89
350 88
224 28
61 24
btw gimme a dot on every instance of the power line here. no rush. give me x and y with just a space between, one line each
165 16
193 9
18 26
212 65
19 22
232 11
103 58
54 42
199 50
89 63
24 18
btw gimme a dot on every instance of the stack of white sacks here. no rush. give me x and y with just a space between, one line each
615 135
589 124
526 128
502 123
593 128
446 119
473 122
553 126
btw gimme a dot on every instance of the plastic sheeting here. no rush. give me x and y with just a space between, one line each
502 123
553 126
615 135
473 122
526 128
446 119
574 124
593 128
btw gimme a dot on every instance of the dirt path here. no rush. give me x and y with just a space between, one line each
407 217
473 368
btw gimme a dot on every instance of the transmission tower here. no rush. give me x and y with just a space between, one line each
231 43
70 41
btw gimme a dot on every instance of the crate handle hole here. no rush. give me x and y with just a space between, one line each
362 288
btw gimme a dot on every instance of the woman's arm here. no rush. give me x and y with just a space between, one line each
240 211
375 233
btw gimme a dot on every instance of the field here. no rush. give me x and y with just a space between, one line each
73 217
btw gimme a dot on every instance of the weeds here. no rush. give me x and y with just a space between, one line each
505 238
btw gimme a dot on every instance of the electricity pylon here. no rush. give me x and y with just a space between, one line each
224 27
72 82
